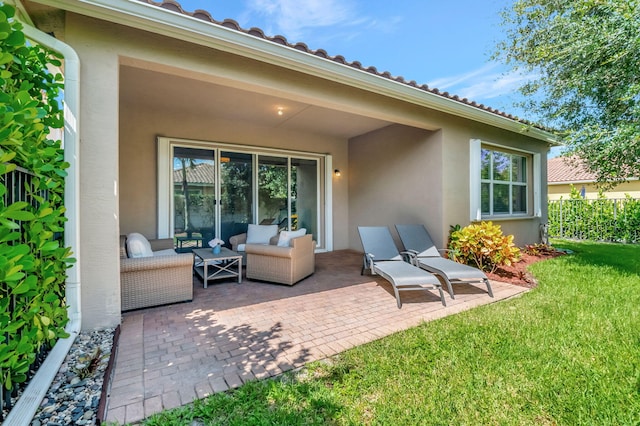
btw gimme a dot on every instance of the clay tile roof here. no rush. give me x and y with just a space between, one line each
256 32
567 170
202 173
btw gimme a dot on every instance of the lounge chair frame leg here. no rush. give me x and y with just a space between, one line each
489 290
395 290
444 302
449 287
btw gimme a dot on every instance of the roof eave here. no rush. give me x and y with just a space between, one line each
183 27
570 182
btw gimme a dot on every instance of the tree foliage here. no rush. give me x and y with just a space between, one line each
585 57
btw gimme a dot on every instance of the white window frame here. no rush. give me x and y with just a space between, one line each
475 184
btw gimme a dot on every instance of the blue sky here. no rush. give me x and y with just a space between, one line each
446 44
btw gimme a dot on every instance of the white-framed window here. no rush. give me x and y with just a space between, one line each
505 182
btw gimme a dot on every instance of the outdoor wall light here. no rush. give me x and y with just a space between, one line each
336 172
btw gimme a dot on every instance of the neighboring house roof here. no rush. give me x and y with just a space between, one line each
278 39
563 170
202 173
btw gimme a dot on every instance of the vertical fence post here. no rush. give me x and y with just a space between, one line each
561 220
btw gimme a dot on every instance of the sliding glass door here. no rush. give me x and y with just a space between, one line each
288 193
194 196
273 191
236 193
304 196
216 190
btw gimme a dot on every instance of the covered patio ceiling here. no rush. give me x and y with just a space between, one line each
153 89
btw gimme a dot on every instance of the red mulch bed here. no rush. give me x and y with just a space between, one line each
517 273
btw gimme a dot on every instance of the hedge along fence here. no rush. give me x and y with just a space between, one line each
33 261
615 220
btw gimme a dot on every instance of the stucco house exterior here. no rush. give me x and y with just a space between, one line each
564 173
150 84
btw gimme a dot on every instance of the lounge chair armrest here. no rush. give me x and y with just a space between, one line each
445 253
368 261
410 256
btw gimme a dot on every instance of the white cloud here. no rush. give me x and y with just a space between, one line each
487 82
292 17
445 83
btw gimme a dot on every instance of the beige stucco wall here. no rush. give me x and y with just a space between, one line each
395 177
631 188
99 180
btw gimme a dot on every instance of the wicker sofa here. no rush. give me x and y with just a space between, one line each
156 280
284 265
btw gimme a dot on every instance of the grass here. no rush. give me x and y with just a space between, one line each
566 353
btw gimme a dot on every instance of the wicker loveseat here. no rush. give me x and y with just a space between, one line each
284 265
155 280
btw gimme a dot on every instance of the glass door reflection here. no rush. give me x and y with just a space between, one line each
194 179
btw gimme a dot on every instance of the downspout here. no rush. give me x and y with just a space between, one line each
24 410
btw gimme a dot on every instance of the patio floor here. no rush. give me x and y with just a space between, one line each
232 333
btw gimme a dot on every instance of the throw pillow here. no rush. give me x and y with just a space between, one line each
138 245
286 236
261 234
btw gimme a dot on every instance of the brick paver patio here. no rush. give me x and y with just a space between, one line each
232 333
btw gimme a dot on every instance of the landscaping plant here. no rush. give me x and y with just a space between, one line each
33 259
482 245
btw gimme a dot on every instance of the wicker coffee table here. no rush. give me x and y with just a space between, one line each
216 266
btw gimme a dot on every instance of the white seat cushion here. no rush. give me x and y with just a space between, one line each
285 236
261 234
240 247
138 246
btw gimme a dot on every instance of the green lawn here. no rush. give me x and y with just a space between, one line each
566 353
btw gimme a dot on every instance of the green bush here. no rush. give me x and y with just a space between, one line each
602 219
483 245
33 261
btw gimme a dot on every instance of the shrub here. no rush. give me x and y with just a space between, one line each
483 245
33 260
601 219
